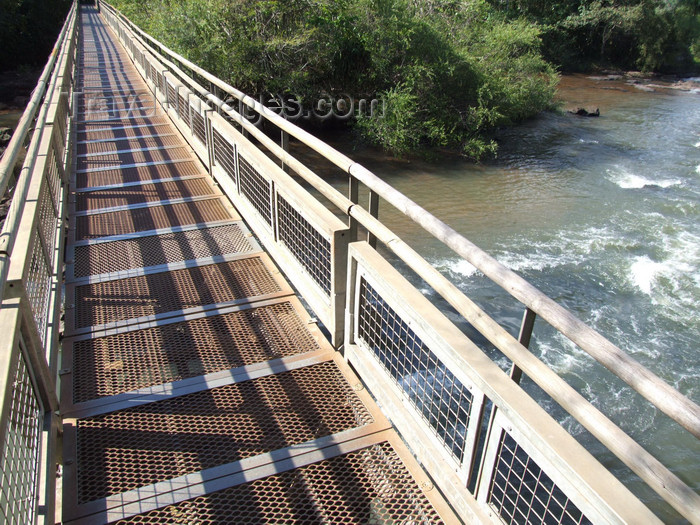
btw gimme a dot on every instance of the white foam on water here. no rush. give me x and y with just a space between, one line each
567 247
457 267
627 180
697 144
671 279
643 273
698 166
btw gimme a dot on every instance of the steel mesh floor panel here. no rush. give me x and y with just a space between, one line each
151 294
114 125
114 159
128 361
128 195
139 446
96 259
113 82
119 176
119 129
150 218
100 104
121 144
369 486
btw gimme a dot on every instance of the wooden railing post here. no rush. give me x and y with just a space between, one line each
526 327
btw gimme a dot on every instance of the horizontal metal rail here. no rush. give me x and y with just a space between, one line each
656 390
667 399
9 158
648 468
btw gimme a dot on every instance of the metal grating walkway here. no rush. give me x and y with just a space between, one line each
195 386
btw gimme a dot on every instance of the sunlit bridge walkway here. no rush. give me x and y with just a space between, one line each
197 327
195 386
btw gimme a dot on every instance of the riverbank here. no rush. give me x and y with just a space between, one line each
650 81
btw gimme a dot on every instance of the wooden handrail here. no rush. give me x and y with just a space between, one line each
653 388
667 399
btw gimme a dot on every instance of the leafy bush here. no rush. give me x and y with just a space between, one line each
448 72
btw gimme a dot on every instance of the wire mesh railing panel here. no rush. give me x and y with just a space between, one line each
154 74
256 189
47 222
198 127
223 154
21 450
370 486
437 395
183 109
171 95
521 492
53 178
309 246
38 285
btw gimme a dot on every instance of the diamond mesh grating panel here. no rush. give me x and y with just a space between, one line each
369 486
106 132
117 104
255 188
129 195
117 159
522 493
21 450
119 176
156 293
115 83
151 218
309 246
136 123
144 141
162 440
198 127
223 154
96 259
123 362
437 395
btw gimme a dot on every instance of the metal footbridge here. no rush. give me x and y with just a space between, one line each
197 328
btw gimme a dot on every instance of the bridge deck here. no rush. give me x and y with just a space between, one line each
195 387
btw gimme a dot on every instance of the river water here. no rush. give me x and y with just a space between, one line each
603 215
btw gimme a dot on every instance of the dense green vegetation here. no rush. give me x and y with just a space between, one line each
28 30
449 71
650 35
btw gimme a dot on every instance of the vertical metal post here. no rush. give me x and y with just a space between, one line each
284 142
374 211
524 337
353 195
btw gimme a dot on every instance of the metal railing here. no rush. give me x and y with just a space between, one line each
440 390
31 274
